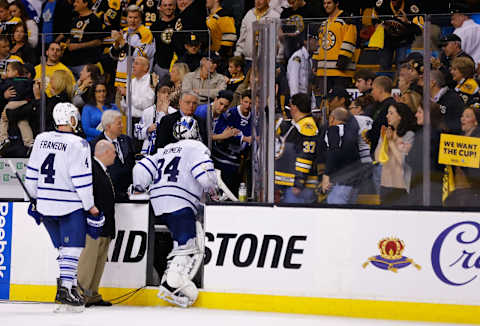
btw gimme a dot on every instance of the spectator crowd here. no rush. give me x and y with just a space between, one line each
194 58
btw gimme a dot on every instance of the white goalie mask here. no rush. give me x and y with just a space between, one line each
63 114
186 128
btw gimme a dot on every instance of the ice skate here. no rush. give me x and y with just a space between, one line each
68 301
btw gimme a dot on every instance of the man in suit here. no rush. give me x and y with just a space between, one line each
121 170
94 255
188 104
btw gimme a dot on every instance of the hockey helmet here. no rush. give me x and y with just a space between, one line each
63 114
186 128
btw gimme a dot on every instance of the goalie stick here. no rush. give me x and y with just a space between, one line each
224 187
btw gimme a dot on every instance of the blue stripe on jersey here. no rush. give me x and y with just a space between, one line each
148 170
53 189
33 169
68 268
28 178
207 161
83 186
193 205
209 170
81 175
171 186
153 164
65 200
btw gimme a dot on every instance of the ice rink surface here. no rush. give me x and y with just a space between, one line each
39 314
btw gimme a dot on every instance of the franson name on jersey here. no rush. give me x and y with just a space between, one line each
55 145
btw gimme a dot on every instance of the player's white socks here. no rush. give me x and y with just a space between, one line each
68 262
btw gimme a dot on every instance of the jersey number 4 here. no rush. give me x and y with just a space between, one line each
171 169
47 168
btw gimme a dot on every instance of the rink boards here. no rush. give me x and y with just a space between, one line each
297 260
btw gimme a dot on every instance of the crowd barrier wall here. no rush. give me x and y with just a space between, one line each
283 259
30 265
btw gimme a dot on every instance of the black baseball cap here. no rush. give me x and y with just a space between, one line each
449 38
192 39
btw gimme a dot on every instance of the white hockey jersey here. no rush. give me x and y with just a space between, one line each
59 173
178 174
364 123
150 115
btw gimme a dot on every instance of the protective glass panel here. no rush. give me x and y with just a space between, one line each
334 62
261 85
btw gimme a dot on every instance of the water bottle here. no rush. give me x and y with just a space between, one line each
242 192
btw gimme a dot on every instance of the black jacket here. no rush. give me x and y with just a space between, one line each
342 154
415 159
165 130
451 106
192 60
190 19
104 197
379 120
23 87
120 173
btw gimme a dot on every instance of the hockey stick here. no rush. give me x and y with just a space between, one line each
19 178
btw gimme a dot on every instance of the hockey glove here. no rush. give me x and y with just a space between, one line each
342 62
214 194
95 224
135 189
32 211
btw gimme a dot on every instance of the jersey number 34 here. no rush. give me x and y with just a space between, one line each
171 169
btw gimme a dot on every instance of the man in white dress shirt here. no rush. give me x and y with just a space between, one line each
469 32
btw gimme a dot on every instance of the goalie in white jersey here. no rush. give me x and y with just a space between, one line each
59 180
178 174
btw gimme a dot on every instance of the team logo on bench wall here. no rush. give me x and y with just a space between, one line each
391 257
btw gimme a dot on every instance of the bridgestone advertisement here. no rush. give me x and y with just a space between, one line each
344 253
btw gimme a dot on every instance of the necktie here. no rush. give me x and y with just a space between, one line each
118 150
110 181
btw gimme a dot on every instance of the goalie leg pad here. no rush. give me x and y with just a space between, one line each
176 287
184 260
198 256
195 248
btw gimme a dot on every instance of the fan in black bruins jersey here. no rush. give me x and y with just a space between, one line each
150 11
295 153
110 13
162 31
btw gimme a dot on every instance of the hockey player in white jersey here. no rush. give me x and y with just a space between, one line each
176 177
59 179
